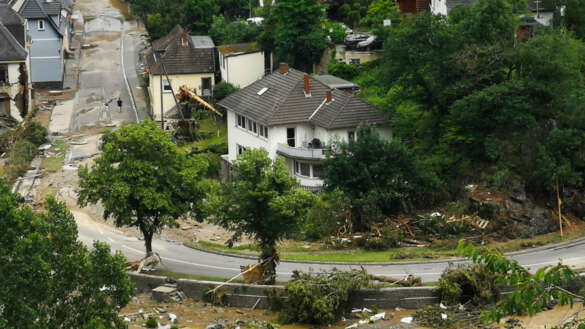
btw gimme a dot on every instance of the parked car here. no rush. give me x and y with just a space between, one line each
371 43
351 40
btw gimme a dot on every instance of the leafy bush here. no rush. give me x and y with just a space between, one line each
432 317
36 133
223 90
151 323
439 227
336 31
390 238
342 70
327 214
320 298
468 283
213 163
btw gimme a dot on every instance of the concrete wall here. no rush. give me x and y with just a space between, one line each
246 295
242 70
342 54
193 81
46 53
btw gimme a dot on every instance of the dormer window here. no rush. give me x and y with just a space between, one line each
41 25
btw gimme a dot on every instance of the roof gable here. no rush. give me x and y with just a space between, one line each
11 49
177 52
34 9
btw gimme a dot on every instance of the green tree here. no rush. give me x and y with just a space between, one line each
293 31
263 201
51 280
489 21
380 177
378 11
573 18
143 180
342 70
531 291
198 14
223 31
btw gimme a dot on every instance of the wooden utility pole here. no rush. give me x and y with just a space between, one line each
559 202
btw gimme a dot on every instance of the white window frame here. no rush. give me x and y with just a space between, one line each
294 138
167 84
351 135
41 25
240 149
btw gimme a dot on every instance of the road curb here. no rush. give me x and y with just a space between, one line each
444 260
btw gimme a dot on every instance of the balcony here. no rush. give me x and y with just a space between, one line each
301 153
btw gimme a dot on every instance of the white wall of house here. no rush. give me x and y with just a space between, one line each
243 69
12 88
439 7
244 137
544 18
193 81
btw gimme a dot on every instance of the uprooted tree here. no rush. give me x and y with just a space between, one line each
49 278
143 180
263 201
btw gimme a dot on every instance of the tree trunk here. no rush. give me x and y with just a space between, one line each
147 239
269 260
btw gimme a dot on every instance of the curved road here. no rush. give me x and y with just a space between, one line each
181 259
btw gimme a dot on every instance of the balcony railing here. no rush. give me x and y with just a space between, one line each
301 153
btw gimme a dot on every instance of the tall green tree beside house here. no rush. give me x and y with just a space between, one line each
263 201
143 180
49 278
293 31
380 177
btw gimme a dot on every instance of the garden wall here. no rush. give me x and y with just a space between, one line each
248 295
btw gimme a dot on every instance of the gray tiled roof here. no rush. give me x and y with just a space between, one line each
543 5
34 9
180 57
11 49
52 8
284 102
9 16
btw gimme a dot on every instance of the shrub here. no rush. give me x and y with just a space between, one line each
390 238
468 283
223 90
336 31
327 215
213 163
36 133
151 323
344 71
320 298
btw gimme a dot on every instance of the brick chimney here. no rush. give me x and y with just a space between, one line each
283 68
307 85
329 96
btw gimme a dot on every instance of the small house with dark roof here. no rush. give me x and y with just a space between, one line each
243 63
294 116
14 88
47 29
174 61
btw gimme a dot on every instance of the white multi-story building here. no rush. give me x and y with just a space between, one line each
291 115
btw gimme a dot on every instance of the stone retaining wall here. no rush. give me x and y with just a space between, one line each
248 295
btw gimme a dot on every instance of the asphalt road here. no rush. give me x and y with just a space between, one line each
181 259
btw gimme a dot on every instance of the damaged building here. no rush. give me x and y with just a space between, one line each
14 76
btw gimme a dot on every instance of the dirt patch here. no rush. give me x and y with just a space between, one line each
193 314
43 117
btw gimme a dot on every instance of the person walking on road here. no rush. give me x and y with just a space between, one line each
120 104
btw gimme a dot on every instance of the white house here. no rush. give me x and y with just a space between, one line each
243 63
14 64
291 115
186 61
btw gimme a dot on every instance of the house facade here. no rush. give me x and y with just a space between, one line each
293 116
241 64
176 56
14 76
